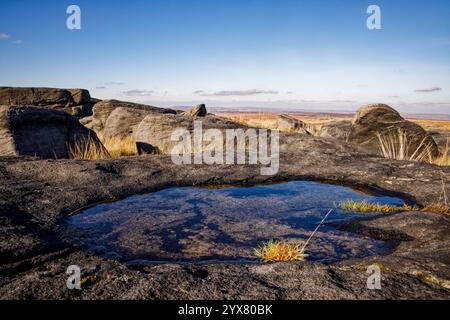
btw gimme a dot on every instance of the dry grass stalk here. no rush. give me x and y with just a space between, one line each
121 147
443 205
398 145
87 149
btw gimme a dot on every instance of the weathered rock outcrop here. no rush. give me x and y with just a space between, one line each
376 122
36 194
197 111
154 132
40 132
103 109
288 123
122 122
338 129
442 140
76 102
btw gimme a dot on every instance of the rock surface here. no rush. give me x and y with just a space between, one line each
288 123
197 111
122 122
155 130
339 130
380 119
103 109
40 132
76 102
36 195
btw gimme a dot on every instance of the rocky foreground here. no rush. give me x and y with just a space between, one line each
37 194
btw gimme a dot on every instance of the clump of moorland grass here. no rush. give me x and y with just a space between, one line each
397 145
120 147
444 159
437 207
277 251
369 207
91 149
442 206
87 149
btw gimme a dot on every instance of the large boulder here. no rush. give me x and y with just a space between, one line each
153 134
76 102
288 123
122 122
41 132
103 109
381 129
337 129
442 139
197 111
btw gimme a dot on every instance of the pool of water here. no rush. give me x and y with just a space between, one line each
194 224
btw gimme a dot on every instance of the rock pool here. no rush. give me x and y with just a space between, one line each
213 225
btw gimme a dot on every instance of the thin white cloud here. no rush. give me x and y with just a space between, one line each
228 93
18 41
426 90
114 83
198 92
4 36
138 93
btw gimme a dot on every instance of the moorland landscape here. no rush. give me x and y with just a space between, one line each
223 150
72 169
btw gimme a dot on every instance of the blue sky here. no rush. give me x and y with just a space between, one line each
235 53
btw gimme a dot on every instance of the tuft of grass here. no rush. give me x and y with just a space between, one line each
368 207
277 251
443 205
90 149
398 145
360 267
444 159
87 149
120 147
88 281
437 208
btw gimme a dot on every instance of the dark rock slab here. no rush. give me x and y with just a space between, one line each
74 101
197 111
41 132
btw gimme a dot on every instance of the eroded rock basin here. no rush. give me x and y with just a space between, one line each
205 225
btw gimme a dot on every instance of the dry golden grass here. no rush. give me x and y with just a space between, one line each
433 125
276 251
441 208
120 147
269 119
368 207
444 159
398 145
87 149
